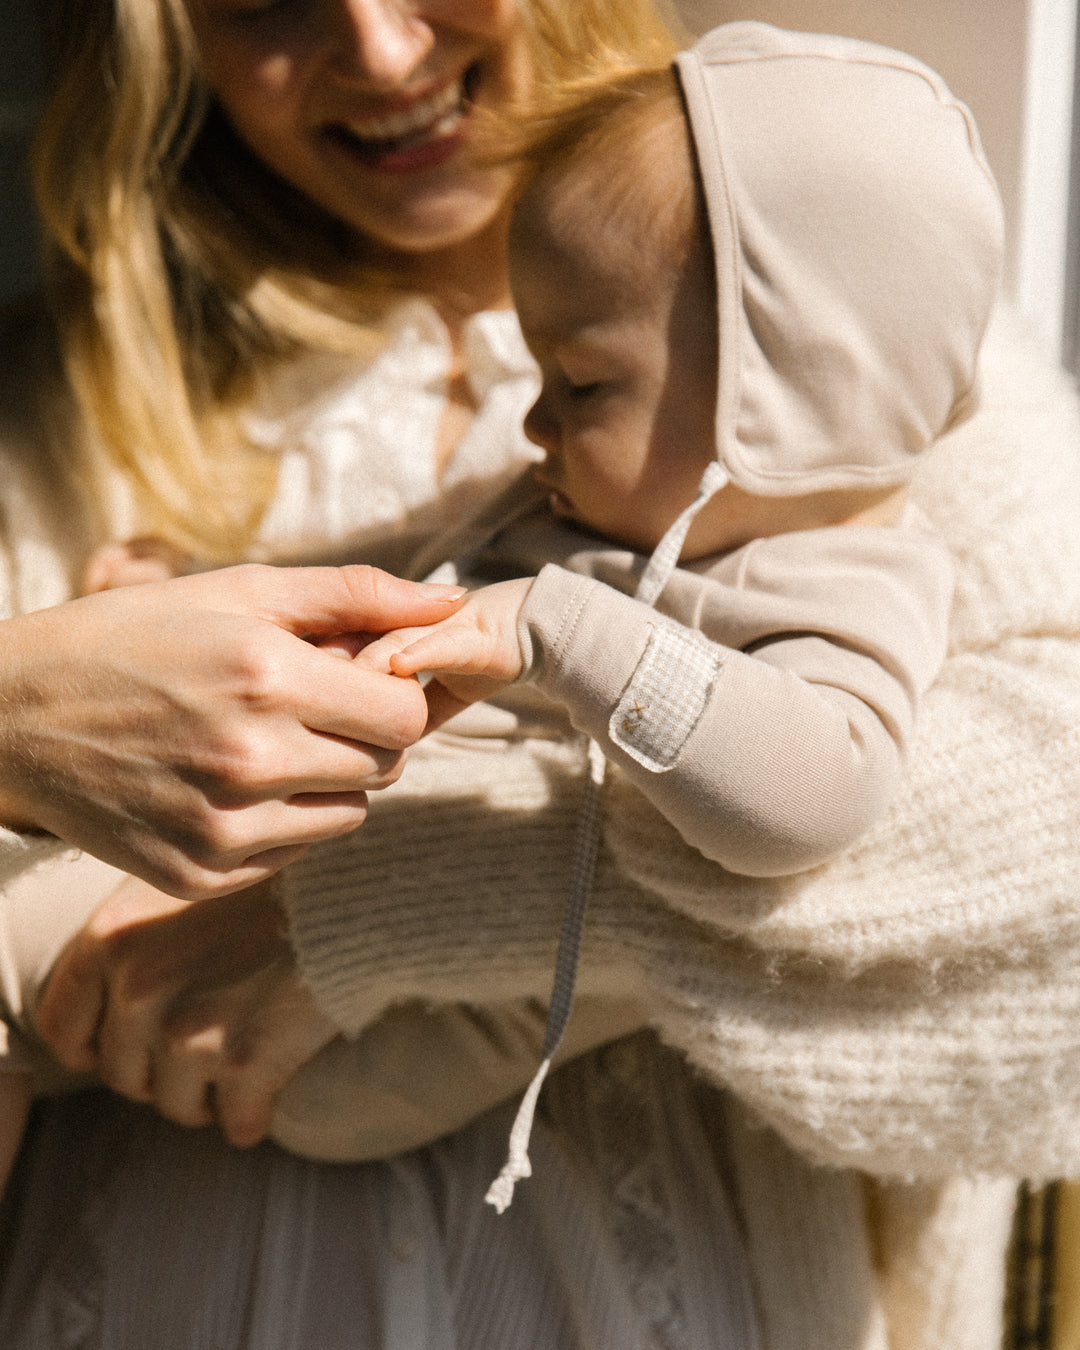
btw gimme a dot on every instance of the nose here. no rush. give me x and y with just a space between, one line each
380 43
541 427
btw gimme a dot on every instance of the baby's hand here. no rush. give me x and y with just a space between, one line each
471 655
130 563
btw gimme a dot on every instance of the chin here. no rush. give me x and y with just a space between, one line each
445 221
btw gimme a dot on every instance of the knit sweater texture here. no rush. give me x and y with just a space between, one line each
909 1008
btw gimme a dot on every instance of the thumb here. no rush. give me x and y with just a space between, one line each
315 600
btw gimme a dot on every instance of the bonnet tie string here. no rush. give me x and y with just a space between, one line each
653 579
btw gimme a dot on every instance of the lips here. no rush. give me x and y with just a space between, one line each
414 137
425 116
558 502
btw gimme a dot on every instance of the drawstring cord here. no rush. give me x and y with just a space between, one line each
517 1164
654 578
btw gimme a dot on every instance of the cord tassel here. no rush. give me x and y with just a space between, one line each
517 1165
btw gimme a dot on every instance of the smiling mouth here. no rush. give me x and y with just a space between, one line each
430 125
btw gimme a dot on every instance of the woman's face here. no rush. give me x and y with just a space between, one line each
365 105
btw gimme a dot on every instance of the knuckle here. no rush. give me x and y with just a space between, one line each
192 881
387 768
221 835
175 865
213 834
367 585
263 679
405 719
237 767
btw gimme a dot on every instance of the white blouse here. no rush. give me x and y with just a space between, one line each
339 431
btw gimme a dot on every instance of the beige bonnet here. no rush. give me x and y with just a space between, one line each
857 234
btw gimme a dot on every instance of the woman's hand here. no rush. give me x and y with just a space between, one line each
186 732
197 1008
471 654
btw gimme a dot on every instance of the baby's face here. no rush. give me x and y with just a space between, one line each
627 354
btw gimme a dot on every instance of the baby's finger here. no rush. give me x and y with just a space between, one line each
379 655
451 648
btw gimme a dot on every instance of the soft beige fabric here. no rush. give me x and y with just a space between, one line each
857 235
419 1072
773 735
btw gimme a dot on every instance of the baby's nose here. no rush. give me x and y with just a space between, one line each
541 428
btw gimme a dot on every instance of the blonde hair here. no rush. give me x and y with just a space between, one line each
178 267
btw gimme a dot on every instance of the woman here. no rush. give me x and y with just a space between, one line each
870 1013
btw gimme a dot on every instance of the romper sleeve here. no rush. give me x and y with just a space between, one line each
767 710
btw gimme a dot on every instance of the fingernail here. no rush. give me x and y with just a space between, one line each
430 590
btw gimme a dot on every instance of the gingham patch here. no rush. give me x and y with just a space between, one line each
666 696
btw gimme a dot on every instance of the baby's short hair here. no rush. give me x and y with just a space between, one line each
619 150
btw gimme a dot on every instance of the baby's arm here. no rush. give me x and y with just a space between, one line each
769 725
771 733
471 655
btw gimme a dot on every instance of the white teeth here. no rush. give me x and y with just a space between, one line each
438 112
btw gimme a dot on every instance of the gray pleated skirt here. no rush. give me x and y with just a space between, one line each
125 1232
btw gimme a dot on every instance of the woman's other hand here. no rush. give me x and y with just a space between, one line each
197 1008
186 732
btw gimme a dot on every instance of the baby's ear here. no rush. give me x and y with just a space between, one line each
137 560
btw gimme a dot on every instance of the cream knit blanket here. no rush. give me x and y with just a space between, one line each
913 1008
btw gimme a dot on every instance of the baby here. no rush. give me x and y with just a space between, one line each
756 286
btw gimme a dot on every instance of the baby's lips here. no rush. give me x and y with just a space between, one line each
558 502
